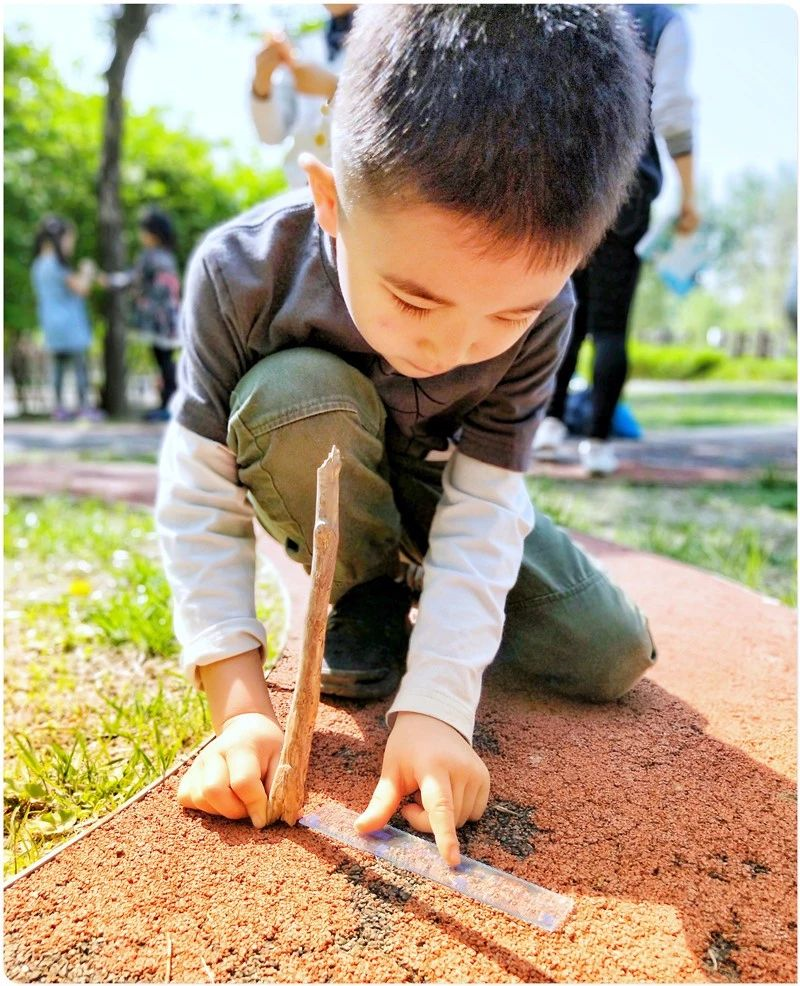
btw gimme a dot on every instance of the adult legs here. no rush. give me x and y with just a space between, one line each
611 283
612 274
580 326
604 290
166 366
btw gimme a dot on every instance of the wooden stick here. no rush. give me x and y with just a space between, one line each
289 786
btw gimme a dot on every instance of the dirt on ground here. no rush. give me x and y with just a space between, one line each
669 817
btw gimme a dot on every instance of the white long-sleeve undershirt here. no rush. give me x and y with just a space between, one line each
205 526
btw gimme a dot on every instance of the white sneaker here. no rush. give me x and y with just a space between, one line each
597 457
549 438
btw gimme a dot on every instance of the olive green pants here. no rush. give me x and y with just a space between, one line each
567 626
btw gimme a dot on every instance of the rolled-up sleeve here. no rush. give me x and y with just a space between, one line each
205 529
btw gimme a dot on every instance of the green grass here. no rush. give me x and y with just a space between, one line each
95 706
713 407
746 532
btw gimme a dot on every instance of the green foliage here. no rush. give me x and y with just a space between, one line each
673 362
751 368
757 232
750 233
52 153
660 362
51 792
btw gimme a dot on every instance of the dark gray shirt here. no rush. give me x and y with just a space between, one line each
266 281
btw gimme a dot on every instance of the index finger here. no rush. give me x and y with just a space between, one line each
436 793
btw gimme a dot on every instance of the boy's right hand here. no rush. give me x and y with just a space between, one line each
233 775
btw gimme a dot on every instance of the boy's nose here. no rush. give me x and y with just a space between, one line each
448 352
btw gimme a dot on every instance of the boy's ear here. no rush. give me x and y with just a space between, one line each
323 191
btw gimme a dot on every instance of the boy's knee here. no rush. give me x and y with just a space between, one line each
296 385
619 662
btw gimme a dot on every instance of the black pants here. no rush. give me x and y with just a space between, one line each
166 365
605 289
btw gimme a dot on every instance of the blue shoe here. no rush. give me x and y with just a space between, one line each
159 414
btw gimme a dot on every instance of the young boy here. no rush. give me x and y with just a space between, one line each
416 303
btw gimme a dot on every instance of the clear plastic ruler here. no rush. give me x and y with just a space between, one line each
519 898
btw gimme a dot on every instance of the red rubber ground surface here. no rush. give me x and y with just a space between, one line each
669 816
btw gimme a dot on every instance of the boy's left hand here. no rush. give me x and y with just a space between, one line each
426 756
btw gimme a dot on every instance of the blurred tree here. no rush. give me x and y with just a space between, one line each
756 229
52 156
750 232
129 21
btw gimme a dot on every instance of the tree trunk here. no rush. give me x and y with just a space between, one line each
129 22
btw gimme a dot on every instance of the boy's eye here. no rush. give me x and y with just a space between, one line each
517 323
410 309
512 323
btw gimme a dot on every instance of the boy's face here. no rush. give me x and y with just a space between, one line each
423 294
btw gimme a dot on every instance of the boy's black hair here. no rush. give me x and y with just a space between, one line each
160 225
527 118
51 230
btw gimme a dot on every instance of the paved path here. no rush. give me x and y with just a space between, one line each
692 455
117 440
126 481
686 455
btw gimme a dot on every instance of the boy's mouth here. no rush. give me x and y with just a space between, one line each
427 371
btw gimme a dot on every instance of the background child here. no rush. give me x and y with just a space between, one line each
155 302
61 301
413 309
